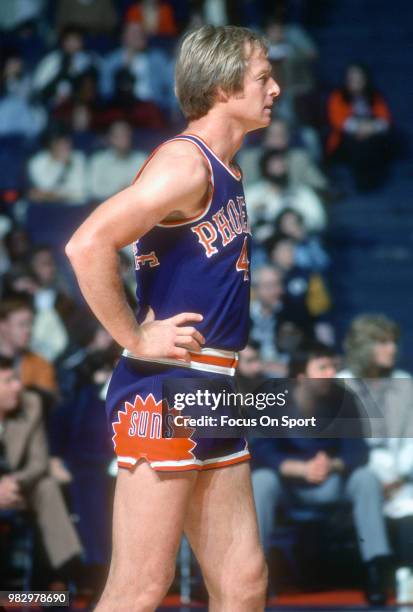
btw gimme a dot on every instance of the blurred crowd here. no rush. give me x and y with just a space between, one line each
86 91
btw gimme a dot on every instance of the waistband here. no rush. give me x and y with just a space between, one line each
208 360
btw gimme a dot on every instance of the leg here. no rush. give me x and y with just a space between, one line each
59 536
149 511
221 526
365 493
267 493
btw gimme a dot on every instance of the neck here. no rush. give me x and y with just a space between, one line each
224 135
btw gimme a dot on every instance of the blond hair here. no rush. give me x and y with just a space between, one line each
365 331
212 57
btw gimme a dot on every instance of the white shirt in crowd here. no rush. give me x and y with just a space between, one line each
265 203
109 172
66 180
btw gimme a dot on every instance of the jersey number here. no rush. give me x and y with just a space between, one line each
243 261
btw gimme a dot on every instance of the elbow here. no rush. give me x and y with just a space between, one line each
77 249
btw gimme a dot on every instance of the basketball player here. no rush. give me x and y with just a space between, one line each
186 215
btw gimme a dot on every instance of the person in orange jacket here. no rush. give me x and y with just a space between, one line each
360 123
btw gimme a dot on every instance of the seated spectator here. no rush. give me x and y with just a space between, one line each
371 351
155 16
114 168
250 370
24 483
57 174
18 114
59 320
273 193
308 251
79 436
83 111
306 299
55 74
302 169
137 80
266 307
95 16
313 471
360 127
16 324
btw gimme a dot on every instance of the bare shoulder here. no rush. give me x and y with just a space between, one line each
179 161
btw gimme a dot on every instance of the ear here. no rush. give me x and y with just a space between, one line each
221 95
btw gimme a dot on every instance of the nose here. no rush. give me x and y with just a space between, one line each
275 88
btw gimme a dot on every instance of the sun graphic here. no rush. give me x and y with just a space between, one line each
139 421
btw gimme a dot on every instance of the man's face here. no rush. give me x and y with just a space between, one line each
284 254
16 329
321 367
249 364
10 389
120 138
134 37
384 353
44 267
252 106
318 375
269 288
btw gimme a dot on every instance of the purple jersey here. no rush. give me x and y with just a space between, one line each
201 265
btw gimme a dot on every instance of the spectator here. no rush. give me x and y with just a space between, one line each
56 73
96 16
306 300
371 352
155 16
83 111
79 431
114 168
137 79
265 309
308 251
302 169
16 324
18 115
273 193
250 370
18 245
57 174
59 320
360 128
318 471
24 482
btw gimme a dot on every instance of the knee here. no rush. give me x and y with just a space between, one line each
246 588
363 478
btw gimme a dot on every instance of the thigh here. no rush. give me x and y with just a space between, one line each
221 523
329 491
148 518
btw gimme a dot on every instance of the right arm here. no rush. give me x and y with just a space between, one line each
173 185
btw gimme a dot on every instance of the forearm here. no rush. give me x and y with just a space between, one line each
292 468
97 271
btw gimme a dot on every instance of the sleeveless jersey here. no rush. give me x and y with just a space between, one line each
201 265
